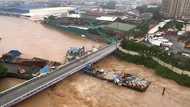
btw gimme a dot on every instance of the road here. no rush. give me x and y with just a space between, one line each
31 87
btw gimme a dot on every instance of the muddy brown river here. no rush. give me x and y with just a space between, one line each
80 90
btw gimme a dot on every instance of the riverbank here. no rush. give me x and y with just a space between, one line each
160 70
152 57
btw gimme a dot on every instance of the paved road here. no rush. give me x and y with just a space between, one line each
36 85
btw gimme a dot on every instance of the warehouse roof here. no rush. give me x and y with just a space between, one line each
107 18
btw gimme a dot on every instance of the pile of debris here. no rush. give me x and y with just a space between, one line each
120 79
75 53
26 68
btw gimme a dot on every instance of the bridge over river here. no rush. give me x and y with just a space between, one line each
27 89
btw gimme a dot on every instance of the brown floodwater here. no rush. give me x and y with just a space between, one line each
35 40
81 90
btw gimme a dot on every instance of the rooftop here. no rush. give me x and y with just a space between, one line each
107 18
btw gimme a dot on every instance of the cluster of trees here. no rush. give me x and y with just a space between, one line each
174 24
50 20
175 60
3 71
159 69
140 30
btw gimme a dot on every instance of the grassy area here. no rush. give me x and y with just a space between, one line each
120 26
159 70
175 60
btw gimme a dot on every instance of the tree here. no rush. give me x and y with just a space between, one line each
50 19
179 26
3 71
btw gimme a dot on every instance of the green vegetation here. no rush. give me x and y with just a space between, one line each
3 70
50 20
175 60
120 26
174 24
160 70
140 30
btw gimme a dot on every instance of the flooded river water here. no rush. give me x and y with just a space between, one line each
36 40
81 90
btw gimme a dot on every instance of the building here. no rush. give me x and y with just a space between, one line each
179 9
39 14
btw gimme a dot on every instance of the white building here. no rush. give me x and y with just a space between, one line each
45 12
107 18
